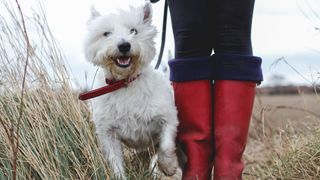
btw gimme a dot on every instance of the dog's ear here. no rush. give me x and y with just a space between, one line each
94 13
147 12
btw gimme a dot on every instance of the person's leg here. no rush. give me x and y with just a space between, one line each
191 30
236 73
232 26
191 80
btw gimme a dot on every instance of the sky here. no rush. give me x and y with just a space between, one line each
282 29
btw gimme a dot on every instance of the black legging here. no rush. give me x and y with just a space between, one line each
200 26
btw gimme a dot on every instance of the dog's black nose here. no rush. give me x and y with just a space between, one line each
124 47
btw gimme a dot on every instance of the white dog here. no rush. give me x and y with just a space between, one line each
143 113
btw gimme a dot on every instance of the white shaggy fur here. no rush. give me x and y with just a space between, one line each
143 113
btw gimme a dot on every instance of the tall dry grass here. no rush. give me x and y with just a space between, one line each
44 129
284 140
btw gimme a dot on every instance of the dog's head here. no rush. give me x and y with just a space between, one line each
122 43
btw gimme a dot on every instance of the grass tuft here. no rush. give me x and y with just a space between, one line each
56 135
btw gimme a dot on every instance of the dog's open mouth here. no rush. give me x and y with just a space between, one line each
123 61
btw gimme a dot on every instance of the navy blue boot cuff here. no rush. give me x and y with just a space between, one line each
217 67
190 69
236 67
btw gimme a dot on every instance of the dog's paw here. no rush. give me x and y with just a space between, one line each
168 163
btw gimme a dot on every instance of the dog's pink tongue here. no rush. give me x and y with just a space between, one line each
124 60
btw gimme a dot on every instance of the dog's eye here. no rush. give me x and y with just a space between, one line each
106 33
133 31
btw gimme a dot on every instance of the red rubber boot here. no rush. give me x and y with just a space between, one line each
194 103
233 103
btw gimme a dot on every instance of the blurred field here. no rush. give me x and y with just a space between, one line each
277 111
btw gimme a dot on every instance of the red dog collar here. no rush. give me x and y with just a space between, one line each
112 86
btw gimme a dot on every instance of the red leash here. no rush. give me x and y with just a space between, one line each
112 86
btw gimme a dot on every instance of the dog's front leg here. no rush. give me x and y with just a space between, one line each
112 150
167 158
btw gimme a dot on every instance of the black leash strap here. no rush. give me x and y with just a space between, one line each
163 36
